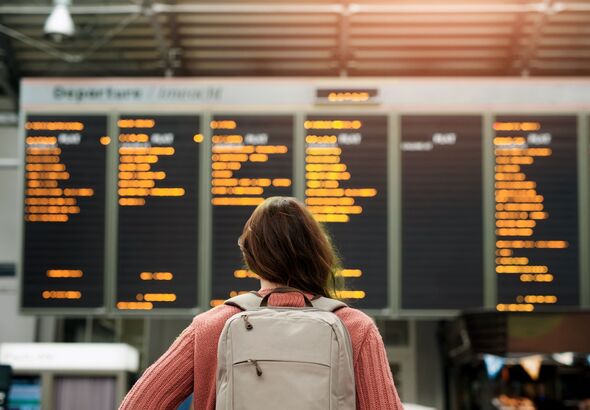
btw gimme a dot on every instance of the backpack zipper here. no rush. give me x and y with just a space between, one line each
255 363
250 361
247 323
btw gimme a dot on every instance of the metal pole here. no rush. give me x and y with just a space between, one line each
205 213
299 156
394 219
489 230
583 207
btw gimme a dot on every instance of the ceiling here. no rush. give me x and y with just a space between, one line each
298 38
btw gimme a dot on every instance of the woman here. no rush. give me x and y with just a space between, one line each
285 246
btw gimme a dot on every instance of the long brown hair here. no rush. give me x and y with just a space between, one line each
283 243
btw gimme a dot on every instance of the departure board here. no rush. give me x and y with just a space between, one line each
346 189
536 212
251 159
442 222
158 211
64 211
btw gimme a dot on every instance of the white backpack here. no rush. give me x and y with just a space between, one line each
280 358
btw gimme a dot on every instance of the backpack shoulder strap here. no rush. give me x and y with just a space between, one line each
251 300
327 304
245 301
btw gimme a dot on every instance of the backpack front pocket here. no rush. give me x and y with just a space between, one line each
278 384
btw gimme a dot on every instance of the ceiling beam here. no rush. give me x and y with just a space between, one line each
166 54
266 8
175 53
531 42
515 51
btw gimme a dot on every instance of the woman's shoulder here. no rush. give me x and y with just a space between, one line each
355 314
356 321
211 322
213 319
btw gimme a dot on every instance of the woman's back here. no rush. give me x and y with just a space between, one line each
285 246
190 364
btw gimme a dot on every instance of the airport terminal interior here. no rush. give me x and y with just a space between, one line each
444 146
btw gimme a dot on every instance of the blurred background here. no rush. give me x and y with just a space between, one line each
444 145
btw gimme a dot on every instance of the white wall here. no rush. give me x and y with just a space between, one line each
13 326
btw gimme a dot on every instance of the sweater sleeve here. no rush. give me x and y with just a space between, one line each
375 388
167 382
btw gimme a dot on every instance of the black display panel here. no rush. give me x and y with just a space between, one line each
252 159
346 189
64 211
442 217
536 186
158 195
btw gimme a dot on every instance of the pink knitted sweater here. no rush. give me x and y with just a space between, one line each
189 365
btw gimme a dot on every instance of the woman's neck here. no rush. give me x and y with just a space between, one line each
265 284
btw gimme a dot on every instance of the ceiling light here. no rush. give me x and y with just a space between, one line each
59 26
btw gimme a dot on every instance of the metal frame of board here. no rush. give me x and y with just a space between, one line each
584 206
205 214
489 240
559 88
395 209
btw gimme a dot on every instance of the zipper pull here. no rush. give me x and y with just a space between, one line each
255 363
247 323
